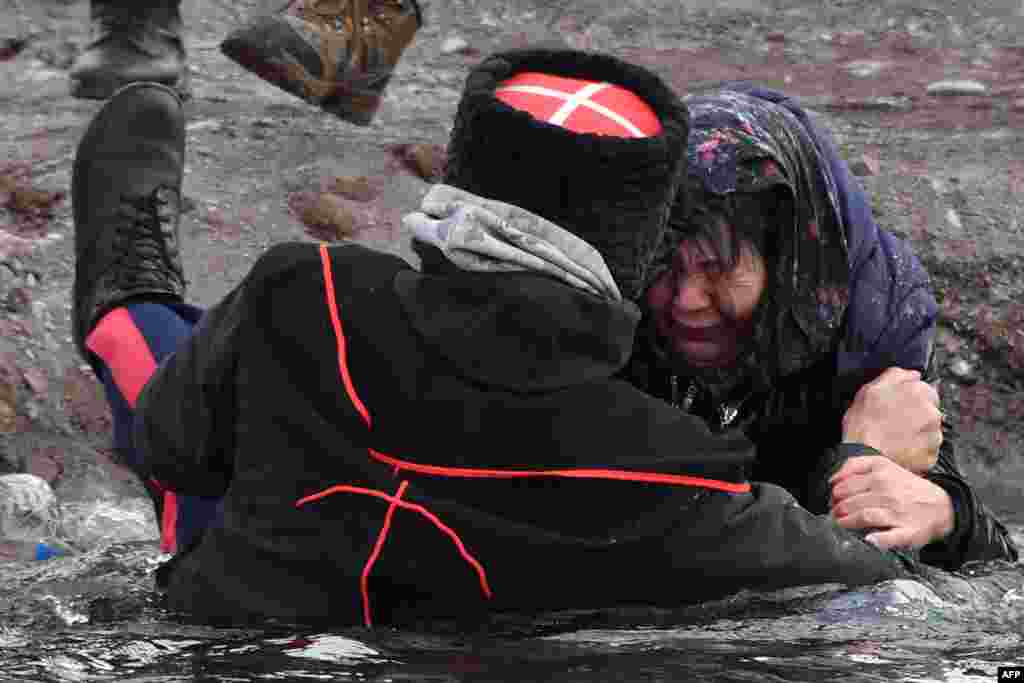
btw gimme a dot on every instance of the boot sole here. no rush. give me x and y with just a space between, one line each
358 106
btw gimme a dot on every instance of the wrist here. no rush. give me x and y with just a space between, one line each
855 435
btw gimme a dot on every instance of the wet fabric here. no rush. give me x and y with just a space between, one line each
739 143
888 319
382 474
482 235
153 332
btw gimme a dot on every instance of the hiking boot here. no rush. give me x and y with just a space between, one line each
134 41
336 54
126 197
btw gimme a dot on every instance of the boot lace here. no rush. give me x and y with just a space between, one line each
146 242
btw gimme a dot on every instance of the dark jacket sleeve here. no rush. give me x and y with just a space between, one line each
773 542
185 415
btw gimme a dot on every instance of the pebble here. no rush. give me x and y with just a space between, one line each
358 188
327 217
32 280
957 87
865 68
960 368
453 45
425 160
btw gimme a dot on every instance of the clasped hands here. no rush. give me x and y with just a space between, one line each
898 415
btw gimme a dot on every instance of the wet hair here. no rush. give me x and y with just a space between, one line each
724 224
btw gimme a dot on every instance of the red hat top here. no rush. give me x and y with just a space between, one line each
581 106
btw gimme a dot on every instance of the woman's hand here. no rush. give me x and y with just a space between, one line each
898 415
903 509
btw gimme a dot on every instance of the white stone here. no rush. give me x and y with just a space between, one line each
957 87
454 44
865 68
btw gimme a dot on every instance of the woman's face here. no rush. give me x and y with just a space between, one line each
702 311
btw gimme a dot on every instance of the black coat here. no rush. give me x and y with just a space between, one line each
448 444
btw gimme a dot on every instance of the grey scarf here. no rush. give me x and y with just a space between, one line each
480 234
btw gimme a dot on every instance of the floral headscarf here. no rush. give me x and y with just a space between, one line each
740 143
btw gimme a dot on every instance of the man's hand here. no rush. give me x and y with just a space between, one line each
904 509
898 415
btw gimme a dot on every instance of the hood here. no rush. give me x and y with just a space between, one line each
512 300
740 142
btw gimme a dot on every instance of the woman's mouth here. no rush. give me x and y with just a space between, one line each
703 333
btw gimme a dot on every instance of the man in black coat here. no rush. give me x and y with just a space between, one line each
346 438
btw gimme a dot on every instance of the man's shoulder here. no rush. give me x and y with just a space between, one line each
288 257
290 266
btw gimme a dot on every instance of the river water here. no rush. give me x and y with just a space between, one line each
94 617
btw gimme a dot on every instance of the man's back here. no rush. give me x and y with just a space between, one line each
376 459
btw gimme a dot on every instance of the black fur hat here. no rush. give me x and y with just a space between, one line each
614 192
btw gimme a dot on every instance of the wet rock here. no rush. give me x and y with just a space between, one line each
325 215
357 188
957 87
89 524
453 45
1017 104
425 160
776 37
28 508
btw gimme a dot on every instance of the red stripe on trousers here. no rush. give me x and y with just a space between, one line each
120 344
117 341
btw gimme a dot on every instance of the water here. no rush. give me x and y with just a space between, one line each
94 617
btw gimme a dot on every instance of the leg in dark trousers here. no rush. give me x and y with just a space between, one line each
132 41
129 343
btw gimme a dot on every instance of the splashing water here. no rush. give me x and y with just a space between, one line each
94 617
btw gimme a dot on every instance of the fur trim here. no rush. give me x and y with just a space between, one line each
613 192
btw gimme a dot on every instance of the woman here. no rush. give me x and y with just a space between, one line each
776 299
